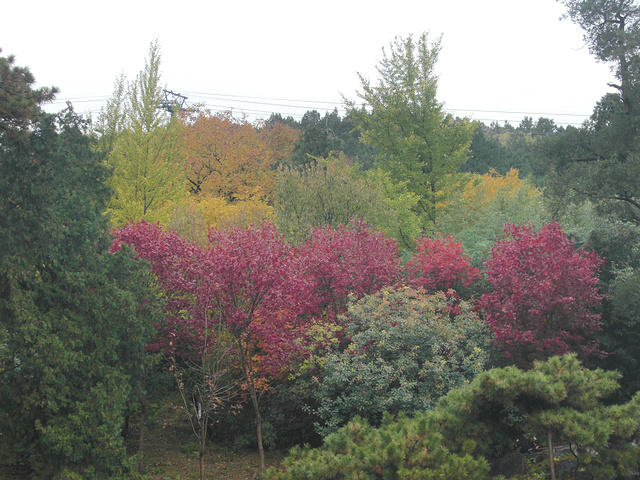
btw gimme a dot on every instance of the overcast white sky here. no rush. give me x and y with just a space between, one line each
501 59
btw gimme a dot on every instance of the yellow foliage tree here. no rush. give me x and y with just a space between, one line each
246 210
476 215
484 190
142 146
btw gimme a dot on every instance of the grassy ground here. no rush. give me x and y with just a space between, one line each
171 453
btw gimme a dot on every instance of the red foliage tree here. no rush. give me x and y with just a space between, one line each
261 291
440 264
248 280
545 295
349 260
179 267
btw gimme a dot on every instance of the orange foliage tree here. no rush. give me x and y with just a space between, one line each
230 166
279 139
230 158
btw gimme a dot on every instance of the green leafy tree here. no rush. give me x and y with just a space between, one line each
406 350
112 119
331 192
617 242
420 144
593 164
315 140
487 152
592 185
558 401
74 319
621 335
143 149
322 137
477 216
502 148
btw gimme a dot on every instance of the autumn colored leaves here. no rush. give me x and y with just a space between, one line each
272 298
540 299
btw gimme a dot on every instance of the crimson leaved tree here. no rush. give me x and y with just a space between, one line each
184 335
348 260
440 264
248 280
179 267
545 295
261 293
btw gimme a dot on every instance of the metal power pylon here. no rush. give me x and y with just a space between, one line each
173 102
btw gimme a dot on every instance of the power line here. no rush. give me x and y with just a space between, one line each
520 113
80 100
262 98
259 101
309 105
231 101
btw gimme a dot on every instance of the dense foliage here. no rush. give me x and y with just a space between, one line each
545 295
477 215
330 192
406 349
439 264
503 147
313 277
73 318
407 448
349 261
558 401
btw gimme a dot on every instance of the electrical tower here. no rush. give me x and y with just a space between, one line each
172 102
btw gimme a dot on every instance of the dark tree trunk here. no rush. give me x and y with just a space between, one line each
551 463
143 414
203 439
254 400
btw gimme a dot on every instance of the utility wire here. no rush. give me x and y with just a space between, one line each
315 102
262 98
225 102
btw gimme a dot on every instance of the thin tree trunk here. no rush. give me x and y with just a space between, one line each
202 440
254 400
551 463
125 426
143 414
260 447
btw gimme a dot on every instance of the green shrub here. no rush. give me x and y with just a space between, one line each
407 350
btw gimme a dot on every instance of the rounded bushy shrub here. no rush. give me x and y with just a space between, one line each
406 350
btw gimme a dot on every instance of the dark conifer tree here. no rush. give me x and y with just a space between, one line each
74 318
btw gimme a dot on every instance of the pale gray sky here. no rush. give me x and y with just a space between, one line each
501 59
